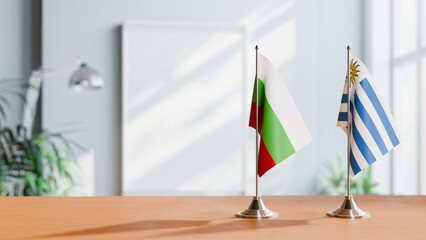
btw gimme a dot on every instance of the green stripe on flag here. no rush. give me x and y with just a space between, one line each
273 134
261 92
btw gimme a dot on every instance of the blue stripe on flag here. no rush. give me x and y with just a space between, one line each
343 116
362 145
344 98
368 89
368 122
355 167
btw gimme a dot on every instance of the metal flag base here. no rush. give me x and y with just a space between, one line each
349 209
257 209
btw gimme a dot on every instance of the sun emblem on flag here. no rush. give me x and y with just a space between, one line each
353 70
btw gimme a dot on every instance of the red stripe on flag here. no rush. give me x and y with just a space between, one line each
252 120
265 160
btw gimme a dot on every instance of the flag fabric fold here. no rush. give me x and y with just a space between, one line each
281 126
372 129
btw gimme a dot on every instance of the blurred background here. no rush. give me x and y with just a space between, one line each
173 83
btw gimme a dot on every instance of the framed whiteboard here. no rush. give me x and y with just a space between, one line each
183 108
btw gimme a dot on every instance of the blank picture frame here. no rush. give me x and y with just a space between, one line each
184 108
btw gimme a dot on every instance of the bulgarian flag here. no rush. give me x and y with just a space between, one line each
281 126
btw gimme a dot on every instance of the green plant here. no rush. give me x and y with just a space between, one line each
38 165
35 166
334 180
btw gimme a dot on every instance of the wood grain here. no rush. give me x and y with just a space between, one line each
300 217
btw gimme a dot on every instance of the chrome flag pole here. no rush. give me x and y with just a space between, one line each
257 208
348 209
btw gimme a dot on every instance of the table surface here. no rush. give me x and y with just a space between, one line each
300 217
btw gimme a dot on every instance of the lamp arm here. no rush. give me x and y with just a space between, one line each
33 93
48 71
31 100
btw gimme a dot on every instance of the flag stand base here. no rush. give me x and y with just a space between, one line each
349 209
257 209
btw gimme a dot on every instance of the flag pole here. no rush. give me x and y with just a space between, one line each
257 125
257 208
348 148
348 209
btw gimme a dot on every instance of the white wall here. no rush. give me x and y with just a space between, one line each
306 39
15 47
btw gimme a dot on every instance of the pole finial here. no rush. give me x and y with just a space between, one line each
349 48
257 47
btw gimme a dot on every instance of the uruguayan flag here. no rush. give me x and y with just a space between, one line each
372 129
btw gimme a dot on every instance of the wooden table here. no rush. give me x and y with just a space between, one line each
392 217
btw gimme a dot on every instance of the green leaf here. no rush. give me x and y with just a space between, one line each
4 101
2 113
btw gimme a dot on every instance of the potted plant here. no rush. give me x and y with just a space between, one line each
37 165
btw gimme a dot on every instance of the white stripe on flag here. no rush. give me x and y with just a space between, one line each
283 104
375 117
387 112
366 135
359 158
351 172
343 108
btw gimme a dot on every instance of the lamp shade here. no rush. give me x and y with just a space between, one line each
86 77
